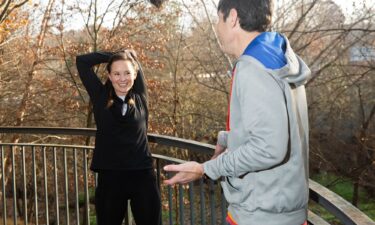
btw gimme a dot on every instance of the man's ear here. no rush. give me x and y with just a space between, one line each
233 19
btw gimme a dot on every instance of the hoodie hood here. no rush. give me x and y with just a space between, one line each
274 52
295 71
269 49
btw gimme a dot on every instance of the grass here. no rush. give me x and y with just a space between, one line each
344 188
81 196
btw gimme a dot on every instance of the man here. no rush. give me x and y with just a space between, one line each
263 155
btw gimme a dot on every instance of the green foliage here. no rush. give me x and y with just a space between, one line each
81 196
92 217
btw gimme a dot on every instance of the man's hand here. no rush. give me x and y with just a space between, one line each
187 172
218 150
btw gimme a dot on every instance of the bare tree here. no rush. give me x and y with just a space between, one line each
8 6
27 92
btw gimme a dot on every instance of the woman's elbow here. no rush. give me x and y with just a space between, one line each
79 59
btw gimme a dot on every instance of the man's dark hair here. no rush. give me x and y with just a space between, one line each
157 3
253 15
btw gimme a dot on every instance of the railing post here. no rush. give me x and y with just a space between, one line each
35 186
170 202
76 185
191 201
24 186
57 213
87 197
223 207
14 187
203 205
45 184
67 222
3 187
212 202
158 175
181 203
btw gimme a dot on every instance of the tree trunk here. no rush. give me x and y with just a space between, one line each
355 198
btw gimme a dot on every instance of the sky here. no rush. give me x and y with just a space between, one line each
348 7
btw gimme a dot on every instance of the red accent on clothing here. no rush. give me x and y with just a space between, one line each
230 95
230 220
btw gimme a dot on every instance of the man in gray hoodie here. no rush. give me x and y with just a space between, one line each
263 154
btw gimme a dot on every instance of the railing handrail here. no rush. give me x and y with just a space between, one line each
46 145
84 147
337 205
154 138
49 130
332 202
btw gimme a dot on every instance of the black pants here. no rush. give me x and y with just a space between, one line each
115 188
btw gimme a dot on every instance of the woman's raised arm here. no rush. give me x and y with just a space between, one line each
90 80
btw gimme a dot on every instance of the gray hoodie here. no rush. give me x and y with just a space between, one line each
266 162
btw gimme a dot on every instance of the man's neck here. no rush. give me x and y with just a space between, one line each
244 40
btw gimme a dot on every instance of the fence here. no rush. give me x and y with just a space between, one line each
51 184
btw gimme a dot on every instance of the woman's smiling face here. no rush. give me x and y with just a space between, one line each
122 76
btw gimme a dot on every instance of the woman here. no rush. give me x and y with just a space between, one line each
121 157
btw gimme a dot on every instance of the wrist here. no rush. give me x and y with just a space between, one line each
203 174
200 169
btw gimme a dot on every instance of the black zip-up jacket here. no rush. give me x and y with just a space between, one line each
121 140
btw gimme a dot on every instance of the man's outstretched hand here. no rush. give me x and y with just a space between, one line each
186 172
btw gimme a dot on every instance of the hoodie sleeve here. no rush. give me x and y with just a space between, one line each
263 116
222 138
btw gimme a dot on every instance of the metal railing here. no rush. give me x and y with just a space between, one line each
51 184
